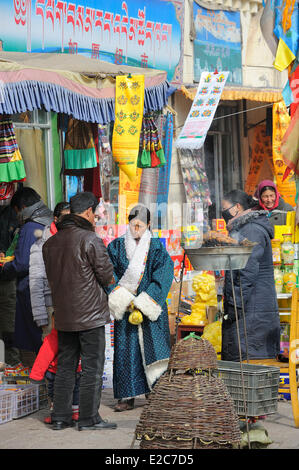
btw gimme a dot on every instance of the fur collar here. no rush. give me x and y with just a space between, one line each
73 220
244 218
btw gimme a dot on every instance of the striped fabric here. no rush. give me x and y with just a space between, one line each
11 164
8 143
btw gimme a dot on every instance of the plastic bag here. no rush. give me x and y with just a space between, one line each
213 333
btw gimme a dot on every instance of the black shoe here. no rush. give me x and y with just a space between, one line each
58 425
98 426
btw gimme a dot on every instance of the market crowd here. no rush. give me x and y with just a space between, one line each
59 290
60 286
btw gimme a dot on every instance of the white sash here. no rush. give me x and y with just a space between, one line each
137 256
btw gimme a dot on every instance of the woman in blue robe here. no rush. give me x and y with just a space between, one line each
143 273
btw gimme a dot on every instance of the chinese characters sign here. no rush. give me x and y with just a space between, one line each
140 33
218 43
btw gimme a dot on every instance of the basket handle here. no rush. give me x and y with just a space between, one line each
192 335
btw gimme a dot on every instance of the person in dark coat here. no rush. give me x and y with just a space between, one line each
78 269
33 214
8 230
270 200
257 282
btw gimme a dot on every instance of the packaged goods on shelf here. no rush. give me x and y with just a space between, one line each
276 251
279 230
291 222
287 249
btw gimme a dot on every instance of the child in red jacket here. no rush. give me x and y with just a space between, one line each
45 366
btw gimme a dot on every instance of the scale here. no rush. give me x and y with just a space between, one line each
218 258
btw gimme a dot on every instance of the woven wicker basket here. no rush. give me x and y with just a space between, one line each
192 409
192 353
186 411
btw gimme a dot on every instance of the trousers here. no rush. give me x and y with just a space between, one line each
50 376
90 346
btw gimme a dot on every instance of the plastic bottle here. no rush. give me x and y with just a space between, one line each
276 251
278 279
289 279
287 249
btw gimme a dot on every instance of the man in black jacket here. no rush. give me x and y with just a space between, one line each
78 269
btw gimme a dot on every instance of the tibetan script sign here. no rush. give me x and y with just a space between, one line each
140 33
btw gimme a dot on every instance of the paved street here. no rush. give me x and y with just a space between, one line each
31 433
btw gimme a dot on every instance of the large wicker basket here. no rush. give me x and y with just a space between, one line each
189 407
192 353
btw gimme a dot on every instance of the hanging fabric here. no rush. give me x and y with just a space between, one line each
286 186
261 152
129 104
11 162
164 171
128 196
92 178
151 153
79 147
202 111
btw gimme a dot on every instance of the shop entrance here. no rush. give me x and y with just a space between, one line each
33 134
222 157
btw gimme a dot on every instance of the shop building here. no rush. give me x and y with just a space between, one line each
246 101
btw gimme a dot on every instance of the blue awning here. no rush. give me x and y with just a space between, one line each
36 81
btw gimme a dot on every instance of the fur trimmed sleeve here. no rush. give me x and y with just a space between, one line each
151 301
119 300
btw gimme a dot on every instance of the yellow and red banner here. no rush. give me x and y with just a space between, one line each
281 121
129 102
261 151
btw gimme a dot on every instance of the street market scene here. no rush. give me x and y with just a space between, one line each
149 227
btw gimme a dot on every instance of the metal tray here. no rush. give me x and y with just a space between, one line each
217 258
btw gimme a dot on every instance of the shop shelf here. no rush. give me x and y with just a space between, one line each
260 383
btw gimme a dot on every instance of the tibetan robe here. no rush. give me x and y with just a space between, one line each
141 352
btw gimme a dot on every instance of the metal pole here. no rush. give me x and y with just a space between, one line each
240 352
244 319
181 284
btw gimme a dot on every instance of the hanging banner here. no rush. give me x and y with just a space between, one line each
129 101
128 197
202 110
218 42
281 120
261 152
139 33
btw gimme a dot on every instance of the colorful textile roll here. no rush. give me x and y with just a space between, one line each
11 163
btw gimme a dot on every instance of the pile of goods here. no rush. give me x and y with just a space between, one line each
188 407
206 296
6 259
218 238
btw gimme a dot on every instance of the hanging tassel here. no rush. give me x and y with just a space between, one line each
145 159
155 160
161 157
